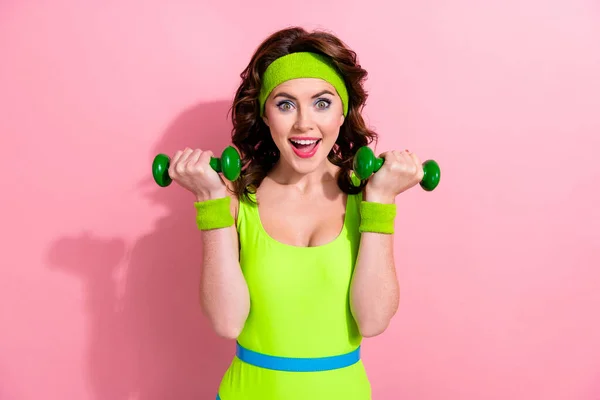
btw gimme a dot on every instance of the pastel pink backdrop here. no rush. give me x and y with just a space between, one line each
499 267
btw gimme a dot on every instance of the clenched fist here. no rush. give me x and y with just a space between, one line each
401 170
191 170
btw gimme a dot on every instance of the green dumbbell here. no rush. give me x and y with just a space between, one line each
365 163
230 164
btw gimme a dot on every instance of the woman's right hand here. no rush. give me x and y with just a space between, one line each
191 170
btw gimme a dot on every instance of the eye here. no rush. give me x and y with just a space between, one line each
323 104
285 105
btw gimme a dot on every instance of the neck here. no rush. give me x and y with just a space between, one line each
284 174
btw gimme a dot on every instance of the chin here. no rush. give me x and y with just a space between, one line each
305 168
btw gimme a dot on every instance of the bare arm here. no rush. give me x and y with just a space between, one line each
223 290
374 292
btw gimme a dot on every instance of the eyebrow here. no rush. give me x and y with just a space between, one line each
289 96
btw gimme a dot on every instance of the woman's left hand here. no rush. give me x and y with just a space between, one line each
401 170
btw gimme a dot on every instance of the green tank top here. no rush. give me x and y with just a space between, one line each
299 307
299 296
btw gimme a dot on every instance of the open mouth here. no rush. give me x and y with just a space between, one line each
305 147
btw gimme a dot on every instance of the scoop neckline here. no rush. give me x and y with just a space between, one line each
332 242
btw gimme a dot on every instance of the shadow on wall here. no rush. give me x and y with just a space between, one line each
148 339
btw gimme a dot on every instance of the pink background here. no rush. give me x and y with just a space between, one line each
499 267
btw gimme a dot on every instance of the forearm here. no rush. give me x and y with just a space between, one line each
375 292
223 290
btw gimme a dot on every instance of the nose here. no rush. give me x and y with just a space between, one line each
304 121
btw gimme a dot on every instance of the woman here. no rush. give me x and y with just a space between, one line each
298 262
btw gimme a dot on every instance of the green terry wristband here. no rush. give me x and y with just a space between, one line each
377 217
213 214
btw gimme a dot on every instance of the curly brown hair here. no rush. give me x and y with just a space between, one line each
252 136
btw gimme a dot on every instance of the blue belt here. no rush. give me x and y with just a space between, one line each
291 364
297 364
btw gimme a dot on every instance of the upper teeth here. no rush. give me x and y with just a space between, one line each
304 141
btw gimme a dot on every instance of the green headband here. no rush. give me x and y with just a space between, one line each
301 65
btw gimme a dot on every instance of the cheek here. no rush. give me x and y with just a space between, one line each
330 124
279 128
